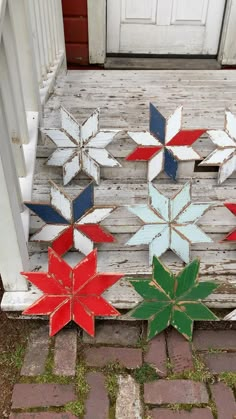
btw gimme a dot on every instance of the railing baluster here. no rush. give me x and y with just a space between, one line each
35 4
35 39
14 255
25 53
14 73
54 7
44 33
52 29
47 31
11 118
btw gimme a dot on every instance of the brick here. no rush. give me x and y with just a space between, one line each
114 333
180 352
41 395
156 354
65 353
97 403
127 357
36 353
195 413
128 402
42 415
175 391
221 362
214 339
224 400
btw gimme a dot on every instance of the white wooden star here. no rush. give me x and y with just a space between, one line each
80 147
225 153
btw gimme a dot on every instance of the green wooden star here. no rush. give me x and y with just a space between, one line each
170 299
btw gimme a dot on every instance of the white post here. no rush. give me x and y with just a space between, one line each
14 72
13 255
12 121
97 31
227 50
19 13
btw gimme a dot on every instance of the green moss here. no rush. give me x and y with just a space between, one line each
111 384
145 373
77 408
228 378
215 351
142 343
169 365
212 406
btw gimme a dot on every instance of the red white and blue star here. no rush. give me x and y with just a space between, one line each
165 144
71 222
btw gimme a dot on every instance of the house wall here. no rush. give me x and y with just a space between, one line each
75 18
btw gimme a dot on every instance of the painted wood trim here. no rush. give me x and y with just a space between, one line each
227 49
20 300
113 25
97 31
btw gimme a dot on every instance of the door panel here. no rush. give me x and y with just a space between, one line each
145 13
164 26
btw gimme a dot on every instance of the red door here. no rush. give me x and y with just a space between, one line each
76 31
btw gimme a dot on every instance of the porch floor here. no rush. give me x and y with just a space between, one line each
123 98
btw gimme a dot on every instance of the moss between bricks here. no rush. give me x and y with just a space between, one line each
145 374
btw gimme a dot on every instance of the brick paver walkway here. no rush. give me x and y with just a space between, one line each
118 375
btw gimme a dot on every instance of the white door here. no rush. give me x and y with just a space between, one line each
164 26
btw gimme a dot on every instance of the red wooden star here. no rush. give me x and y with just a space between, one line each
232 235
72 293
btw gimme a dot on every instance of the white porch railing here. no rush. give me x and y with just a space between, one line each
31 52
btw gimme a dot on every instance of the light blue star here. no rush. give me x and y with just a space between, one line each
169 223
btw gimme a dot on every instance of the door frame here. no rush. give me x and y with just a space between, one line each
97 30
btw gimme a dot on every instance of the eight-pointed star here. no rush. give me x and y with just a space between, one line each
169 223
72 293
80 147
71 222
170 299
225 153
165 144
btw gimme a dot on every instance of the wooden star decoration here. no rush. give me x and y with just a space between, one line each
72 293
169 223
232 235
80 147
165 144
224 155
172 300
71 222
